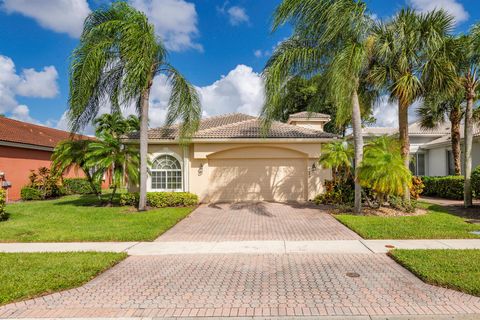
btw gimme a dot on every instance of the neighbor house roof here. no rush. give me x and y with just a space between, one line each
18 132
413 129
308 115
237 126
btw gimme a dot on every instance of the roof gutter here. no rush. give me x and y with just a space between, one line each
239 140
25 146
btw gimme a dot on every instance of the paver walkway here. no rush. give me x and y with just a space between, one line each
258 221
247 285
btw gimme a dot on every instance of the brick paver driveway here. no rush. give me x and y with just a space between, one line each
291 284
258 221
244 285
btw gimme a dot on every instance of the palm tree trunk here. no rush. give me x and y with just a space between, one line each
358 144
467 191
455 119
142 203
404 143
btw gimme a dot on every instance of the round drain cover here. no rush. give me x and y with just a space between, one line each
353 275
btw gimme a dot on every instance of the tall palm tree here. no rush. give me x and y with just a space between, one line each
70 153
468 67
117 59
436 109
409 61
331 38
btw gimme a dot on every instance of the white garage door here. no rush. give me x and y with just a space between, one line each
257 179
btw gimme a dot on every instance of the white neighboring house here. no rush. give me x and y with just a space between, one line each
431 149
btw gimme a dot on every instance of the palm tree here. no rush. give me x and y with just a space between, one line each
118 58
409 61
110 153
383 169
436 109
70 153
111 123
468 67
331 38
337 156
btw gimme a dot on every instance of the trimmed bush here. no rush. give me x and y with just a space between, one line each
161 199
79 186
29 193
449 187
476 182
3 200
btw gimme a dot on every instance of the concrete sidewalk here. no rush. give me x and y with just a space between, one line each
245 247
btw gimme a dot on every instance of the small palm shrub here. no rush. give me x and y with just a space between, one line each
382 168
3 199
161 199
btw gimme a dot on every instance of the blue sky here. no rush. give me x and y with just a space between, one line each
220 46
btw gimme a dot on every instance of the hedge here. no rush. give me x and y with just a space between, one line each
79 186
29 193
448 187
161 199
3 200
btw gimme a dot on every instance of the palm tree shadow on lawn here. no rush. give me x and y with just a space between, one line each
89 200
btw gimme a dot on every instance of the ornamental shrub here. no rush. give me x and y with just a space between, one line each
161 199
476 182
448 187
417 187
79 186
29 193
3 199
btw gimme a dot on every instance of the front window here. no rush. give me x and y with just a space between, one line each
166 173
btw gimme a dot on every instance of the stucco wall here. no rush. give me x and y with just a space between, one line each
16 163
197 159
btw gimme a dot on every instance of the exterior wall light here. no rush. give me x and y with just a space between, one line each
200 169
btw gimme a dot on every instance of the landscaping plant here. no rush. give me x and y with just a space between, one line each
43 185
329 38
3 199
117 59
161 199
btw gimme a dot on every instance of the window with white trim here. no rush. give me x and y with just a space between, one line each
166 173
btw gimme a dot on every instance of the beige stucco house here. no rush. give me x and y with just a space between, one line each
229 159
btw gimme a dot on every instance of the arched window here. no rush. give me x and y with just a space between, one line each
166 173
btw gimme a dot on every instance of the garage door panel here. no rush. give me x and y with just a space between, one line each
257 179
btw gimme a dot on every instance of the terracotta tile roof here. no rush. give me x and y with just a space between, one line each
237 126
307 115
32 134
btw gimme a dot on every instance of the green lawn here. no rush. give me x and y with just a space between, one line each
26 275
436 224
455 269
79 218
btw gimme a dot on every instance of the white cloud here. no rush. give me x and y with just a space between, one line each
258 53
30 83
175 22
453 7
41 84
241 90
63 16
386 112
22 113
237 15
